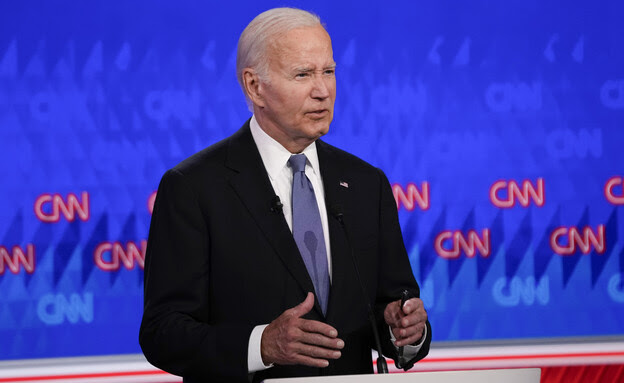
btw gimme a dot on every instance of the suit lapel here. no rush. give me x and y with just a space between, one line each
251 184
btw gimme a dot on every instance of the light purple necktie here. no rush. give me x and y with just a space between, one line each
308 230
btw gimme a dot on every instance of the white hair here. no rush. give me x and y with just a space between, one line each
258 35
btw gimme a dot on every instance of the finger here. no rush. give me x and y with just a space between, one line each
409 331
414 318
313 326
396 332
304 307
412 339
417 314
418 317
312 362
322 341
392 313
317 352
402 334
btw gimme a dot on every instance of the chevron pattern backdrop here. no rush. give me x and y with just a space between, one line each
500 126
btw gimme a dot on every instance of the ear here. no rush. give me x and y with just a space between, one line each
253 86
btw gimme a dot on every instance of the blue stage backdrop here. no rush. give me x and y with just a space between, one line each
499 124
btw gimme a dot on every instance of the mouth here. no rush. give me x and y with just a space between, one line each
319 113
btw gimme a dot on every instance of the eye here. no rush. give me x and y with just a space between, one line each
330 71
302 75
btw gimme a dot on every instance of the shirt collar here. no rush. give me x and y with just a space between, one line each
274 155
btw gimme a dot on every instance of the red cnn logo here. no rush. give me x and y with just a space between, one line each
150 202
18 259
412 196
109 256
575 239
524 195
449 244
609 192
48 207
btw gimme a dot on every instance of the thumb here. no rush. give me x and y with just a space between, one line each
304 307
411 305
407 307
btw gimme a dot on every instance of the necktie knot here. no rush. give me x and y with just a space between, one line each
297 162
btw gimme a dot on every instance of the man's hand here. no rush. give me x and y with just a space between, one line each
407 324
290 339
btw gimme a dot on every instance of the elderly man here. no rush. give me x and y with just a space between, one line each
266 248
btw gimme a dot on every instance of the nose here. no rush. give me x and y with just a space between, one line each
321 88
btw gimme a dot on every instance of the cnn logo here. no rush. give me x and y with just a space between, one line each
49 207
505 194
616 198
17 258
450 244
412 196
111 256
568 240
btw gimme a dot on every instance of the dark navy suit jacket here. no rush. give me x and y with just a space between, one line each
220 261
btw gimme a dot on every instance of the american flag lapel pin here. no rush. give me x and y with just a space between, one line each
344 184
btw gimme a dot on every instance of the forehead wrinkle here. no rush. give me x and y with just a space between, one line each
286 58
300 64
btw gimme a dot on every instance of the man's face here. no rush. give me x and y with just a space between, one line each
297 103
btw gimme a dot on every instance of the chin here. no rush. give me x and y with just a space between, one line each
321 132
322 127
316 128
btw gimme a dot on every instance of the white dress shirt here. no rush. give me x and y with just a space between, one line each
275 159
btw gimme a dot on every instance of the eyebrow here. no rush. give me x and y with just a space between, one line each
308 69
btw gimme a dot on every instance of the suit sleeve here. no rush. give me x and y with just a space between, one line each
395 272
176 334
